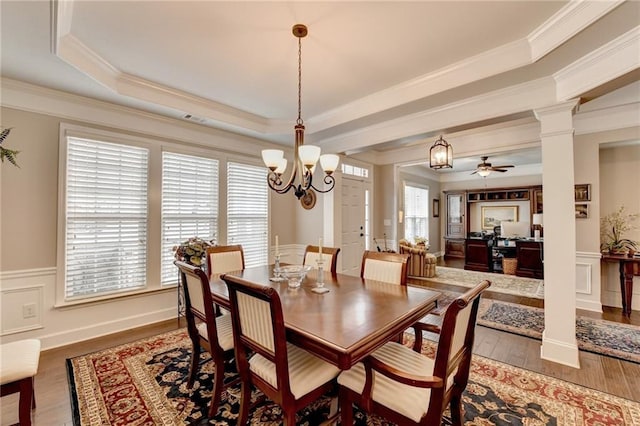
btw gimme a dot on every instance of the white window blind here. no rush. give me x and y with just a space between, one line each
416 214
189 205
106 218
247 211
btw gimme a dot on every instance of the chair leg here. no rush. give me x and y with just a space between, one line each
456 410
346 407
33 395
289 418
25 402
216 394
245 400
193 367
417 344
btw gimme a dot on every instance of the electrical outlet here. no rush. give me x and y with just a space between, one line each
29 310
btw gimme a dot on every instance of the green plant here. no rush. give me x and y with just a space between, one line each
613 226
421 240
9 154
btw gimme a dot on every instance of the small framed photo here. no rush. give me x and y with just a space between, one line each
582 192
436 207
582 211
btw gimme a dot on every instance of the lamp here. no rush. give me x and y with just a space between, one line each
484 172
441 155
537 225
305 156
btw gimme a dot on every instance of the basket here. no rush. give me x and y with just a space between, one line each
509 265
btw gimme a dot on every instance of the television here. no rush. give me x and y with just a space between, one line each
515 230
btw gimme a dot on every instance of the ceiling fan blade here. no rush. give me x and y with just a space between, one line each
502 167
499 170
474 172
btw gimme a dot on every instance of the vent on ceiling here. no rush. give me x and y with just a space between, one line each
194 118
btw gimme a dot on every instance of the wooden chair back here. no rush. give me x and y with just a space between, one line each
453 356
329 257
199 306
221 259
384 266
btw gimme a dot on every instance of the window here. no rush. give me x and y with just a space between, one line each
106 218
247 211
367 220
348 169
416 212
189 204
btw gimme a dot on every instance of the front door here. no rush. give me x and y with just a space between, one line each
353 224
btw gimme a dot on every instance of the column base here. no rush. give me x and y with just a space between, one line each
560 352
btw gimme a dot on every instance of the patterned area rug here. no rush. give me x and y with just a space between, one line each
501 283
144 383
594 335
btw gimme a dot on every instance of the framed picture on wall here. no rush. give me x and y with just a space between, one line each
493 216
435 208
582 211
582 192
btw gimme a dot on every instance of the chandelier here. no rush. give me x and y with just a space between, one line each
305 156
441 155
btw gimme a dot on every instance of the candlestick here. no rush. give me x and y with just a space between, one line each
320 246
277 249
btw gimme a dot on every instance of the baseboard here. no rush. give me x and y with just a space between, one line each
589 305
560 352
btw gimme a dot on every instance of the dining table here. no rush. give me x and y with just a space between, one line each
347 323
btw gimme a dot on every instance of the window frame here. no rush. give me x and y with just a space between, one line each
154 203
412 184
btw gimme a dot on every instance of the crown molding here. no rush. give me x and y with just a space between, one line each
607 119
498 103
501 59
41 100
604 64
567 22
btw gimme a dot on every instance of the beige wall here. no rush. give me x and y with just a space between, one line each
30 193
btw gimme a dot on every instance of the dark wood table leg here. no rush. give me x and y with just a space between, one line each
626 286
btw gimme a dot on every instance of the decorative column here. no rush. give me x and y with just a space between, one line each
559 337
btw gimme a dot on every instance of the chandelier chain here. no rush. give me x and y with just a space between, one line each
299 120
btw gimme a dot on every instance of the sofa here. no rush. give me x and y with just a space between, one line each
421 263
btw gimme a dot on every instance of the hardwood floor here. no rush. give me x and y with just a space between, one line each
621 378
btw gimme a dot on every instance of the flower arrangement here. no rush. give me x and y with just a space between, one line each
9 154
421 240
193 251
613 226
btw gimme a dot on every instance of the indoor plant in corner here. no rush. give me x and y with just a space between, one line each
612 228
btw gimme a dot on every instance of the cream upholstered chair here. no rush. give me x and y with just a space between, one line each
18 365
384 266
207 329
221 259
329 257
285 373
427 385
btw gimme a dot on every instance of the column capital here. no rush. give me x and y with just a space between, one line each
557 119
570 105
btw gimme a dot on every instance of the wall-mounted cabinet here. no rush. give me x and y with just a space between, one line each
498 195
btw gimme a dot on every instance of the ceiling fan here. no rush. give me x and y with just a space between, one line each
484 169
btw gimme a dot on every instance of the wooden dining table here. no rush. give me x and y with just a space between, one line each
346 324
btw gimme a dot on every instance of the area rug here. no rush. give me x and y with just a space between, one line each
501 283
144 383
593 335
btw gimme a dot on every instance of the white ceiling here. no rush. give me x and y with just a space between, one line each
233 64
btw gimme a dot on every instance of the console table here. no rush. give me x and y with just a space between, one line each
628 266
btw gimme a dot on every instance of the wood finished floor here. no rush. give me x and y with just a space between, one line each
617 377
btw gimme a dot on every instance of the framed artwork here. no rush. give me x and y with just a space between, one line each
436 207
492 216
582 211
582 192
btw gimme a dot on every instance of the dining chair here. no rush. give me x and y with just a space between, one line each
221 259
385 266
287 374
207 329
427 385
329 257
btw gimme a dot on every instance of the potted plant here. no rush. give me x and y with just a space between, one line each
421 241
612 228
